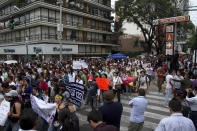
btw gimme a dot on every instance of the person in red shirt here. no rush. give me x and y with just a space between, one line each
161 75
42 84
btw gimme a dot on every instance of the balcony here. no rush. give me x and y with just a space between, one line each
103 5
50 37
40 20
52 5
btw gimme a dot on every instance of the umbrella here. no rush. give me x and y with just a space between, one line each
117 56
10 62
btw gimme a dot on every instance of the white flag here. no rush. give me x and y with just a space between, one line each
45 110
4 109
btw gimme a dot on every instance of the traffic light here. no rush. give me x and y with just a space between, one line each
12 24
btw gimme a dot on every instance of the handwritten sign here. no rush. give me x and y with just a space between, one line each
103 83
77 65
4 109
45 110
76 92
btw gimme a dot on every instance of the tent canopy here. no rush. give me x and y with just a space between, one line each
117 56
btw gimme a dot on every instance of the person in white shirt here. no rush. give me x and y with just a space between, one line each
117 81
193 104
79 80
169 87
177 85
10 81
143 82
71 76
2 78
139 105
176 122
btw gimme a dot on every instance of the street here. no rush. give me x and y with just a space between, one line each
154 113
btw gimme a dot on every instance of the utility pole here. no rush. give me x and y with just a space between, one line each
60 28
26 38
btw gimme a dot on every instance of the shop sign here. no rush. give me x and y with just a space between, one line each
55 49
9 50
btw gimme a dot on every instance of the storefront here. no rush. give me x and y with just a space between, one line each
45 51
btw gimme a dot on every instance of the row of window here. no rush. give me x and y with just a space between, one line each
94 49
43 14
83 7
44 32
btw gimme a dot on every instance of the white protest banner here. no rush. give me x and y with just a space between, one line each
76 65
4 109
84 64
45 110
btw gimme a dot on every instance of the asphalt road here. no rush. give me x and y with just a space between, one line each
154 113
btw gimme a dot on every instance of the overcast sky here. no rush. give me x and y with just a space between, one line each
192 13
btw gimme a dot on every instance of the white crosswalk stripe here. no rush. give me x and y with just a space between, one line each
154 113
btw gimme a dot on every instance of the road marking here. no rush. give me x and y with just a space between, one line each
124 119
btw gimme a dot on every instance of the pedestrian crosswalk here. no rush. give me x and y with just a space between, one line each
154 113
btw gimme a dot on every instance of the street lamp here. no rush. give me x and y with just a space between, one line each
60 28
26 38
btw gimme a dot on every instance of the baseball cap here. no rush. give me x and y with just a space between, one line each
12 93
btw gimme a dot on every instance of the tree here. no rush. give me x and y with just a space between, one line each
143 12
192 42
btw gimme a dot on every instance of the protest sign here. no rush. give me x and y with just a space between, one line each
103 83
84 65
45 110
4 109
76 65
76 92
129 81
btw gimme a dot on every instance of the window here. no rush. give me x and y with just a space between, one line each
27 17
93 24
93 36
68 34
37 13
22 35
68 19
87 48
104 27
81 48
32 15
18 36
13 35
89 36
16 21
22 19
96 12
100 37
45 32
44 14
75 20
80 22
51 16
57 16
80 35
52 30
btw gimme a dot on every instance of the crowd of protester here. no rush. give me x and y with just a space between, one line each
47 81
